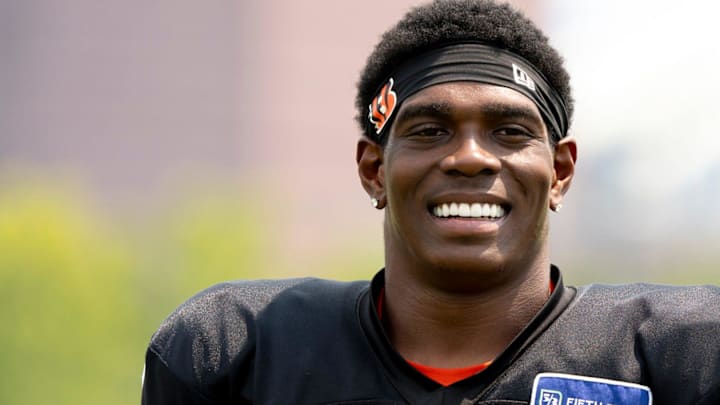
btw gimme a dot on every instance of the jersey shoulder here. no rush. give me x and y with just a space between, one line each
212 333
209 331
663 303
675 331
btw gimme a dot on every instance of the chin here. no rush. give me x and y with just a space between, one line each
468 272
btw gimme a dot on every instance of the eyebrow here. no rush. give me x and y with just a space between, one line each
445 110
411 111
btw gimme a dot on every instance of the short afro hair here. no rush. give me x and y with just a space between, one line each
446 21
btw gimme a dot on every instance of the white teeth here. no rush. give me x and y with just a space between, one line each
476 210
467 210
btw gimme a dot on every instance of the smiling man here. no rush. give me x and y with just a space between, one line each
465 110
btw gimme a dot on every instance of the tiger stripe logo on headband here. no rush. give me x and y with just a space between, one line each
382 106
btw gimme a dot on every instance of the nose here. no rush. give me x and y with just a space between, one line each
470 158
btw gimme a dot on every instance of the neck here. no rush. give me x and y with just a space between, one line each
445 328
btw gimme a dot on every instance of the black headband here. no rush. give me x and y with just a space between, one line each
474 62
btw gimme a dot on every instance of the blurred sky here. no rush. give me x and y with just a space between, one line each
646 80
138 99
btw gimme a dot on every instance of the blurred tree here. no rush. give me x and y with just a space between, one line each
65 307
80 297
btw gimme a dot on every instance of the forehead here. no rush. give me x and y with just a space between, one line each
457 98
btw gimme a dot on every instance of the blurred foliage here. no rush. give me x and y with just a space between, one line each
80 295
67 302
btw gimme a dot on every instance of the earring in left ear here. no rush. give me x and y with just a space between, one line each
556 208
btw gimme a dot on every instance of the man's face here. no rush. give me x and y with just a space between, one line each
467 174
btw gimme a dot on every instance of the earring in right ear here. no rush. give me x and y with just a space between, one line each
374 202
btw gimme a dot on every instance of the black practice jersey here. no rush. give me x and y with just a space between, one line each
312 341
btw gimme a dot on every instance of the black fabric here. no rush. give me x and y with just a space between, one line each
167 386
310 341
476 62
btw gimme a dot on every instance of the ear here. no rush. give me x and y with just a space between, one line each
369 157
564 164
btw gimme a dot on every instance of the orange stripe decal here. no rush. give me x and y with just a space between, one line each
382 106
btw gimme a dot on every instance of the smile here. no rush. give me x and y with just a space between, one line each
467 210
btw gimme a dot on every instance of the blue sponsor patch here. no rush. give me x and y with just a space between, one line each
567 389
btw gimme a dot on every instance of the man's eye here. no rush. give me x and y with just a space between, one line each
428 132
515 133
